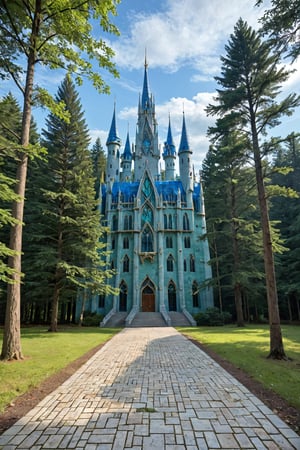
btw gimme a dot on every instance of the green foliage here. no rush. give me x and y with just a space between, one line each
212 317
54 41
232 221
282 23
287 212
62 241
92 319
250 71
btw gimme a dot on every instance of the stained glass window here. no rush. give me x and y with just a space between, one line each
147 240
147 215
148 192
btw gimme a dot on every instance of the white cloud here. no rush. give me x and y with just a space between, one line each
95 134
187 31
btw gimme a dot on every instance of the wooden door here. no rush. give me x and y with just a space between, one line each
148 302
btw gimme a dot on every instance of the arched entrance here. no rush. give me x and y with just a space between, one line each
172 297
123 297
148 296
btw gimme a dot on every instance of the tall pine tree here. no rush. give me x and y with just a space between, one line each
231 211
69 232
249 84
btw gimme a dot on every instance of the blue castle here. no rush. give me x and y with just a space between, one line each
157 225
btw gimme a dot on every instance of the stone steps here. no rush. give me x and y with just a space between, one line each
117 320
178 319
148 319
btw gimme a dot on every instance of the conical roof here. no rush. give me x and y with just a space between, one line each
127 151
184 143
169 146
113 134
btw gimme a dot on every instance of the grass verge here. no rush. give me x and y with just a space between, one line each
46 354
247 348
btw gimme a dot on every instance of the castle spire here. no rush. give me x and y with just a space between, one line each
184 143
113 134
113 144
127 151
169 154
146 98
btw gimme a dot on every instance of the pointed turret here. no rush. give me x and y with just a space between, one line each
184 142
185 163
147 152
113 137
126 161
113 144
146 97
169 155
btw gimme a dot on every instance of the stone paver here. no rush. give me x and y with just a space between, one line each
150 388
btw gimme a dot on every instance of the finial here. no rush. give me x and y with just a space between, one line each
146 64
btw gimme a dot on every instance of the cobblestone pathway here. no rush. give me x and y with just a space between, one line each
150 388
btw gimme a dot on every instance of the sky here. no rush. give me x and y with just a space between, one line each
183 40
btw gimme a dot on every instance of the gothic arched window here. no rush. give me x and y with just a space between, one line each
195 294
147 240
184 265
126 264
192 263
165 221
114 223
187 242
170 263
172 296
186 222
170 222
113 244
169 242
130 223
126 224
123 297
126 242
147 215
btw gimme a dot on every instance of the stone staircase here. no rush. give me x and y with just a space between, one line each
148 319
117 320
178 319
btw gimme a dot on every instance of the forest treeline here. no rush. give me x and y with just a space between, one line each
250 176
62 250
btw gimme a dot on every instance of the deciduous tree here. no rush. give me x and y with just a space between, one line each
31 33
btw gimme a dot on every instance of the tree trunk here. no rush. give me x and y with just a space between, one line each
217 271
276 342
54 309
238 305
84 298
11 348
289 309
236 259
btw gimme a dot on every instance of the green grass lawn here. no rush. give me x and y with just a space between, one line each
45 354
248 348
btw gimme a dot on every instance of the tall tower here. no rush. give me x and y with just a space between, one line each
169 155
126 161
146 150
113 144
185 163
